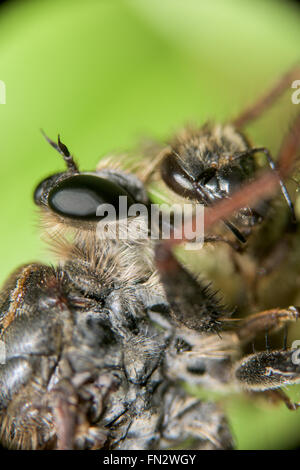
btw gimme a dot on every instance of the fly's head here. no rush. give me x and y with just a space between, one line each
76 208
75 197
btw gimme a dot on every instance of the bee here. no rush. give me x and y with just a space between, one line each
98 346
209 164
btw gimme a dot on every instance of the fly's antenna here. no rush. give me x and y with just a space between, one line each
64 151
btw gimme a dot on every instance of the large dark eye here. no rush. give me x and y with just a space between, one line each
177 178
41 189
80 196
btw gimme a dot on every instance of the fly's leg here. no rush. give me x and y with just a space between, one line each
264 102
269 370
192 304
186 417
267 321
278 395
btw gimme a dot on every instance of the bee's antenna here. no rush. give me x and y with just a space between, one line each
64 151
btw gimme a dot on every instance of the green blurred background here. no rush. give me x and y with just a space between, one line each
106 74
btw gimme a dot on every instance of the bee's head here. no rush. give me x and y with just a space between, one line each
204 181
210 176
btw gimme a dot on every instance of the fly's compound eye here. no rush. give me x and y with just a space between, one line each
42 189
81 196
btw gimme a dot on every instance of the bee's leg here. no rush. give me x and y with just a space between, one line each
277 251
269 370
192 304
268 320
284 166
289 147
235 245
268 99
269 256
285 159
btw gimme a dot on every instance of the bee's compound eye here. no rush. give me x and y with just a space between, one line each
176 177
80 196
